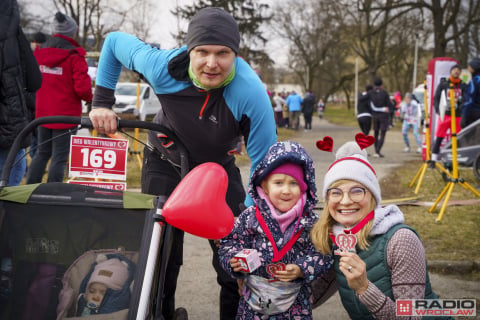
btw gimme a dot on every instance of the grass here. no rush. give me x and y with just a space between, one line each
455 237
340 114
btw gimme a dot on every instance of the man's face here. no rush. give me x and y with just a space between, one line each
211 64
455 73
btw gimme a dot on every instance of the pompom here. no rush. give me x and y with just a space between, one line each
101 257
350 149
60 17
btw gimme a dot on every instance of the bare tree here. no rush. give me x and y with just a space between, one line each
96 18
310 34
444 17
466 45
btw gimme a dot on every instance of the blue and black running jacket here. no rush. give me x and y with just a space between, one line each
209 123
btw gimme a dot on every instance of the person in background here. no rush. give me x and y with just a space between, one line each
294 103
278 108
377 258
409 114
308 106
443 89
38 39
396 101
65 84
471 103
382 107
285 113
210 97
320 108
364 111
20 79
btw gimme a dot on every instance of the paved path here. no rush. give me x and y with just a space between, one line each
197 288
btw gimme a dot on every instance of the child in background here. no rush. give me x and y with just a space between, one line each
106 288
410 114
277 226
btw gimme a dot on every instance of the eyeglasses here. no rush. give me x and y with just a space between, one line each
356 194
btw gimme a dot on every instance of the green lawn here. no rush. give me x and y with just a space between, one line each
455 237
339 114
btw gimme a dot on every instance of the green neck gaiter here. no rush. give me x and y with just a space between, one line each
197 83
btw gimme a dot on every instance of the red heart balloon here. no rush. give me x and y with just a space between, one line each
364 141
326 144
197 205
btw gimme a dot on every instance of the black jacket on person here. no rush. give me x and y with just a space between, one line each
308 104
444 85
380 99
20 76
363 104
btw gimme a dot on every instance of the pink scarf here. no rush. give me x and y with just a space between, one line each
284 219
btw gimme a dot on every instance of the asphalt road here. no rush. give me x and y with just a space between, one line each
197 289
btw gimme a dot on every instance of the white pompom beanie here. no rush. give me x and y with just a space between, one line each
351 164
112 273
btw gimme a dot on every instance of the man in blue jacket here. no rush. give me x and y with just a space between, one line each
471 103
294 103
210 98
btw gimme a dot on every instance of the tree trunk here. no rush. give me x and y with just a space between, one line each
438 29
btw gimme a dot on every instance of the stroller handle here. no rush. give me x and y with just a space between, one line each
86 123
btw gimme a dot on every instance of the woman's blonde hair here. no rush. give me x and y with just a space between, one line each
321 229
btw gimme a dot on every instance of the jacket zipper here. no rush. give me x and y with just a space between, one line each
202 110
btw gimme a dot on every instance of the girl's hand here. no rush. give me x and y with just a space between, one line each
355 270
291 272
236 265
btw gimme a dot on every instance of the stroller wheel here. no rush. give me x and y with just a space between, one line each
180 314
476 166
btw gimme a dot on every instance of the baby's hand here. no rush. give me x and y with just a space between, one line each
291 272
236 265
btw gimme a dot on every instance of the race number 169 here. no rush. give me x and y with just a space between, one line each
98 158
94 157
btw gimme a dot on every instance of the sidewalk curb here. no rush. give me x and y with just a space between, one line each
453 267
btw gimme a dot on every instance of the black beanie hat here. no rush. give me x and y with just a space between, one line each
455 66
377 82
475 64
213 26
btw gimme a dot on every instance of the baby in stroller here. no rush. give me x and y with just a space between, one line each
98 284
106 288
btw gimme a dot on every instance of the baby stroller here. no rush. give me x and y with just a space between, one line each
468 148
45 228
